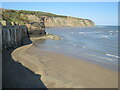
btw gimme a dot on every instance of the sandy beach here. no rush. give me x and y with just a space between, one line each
50 45
60 71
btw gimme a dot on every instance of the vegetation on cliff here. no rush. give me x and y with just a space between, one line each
37 20
20 15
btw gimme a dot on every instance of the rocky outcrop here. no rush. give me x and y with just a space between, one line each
36 28
14 36
68 22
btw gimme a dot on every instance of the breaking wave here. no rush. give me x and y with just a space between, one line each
112 55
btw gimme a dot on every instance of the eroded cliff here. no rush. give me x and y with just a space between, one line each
35 20
68 22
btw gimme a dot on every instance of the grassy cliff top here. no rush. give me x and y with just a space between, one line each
9 13
14 15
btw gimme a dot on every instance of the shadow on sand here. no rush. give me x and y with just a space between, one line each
15 75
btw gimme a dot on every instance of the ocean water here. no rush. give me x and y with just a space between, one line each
98 45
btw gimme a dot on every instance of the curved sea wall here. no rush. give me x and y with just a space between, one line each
14 36
0 37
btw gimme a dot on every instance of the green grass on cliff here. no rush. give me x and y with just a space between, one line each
15 15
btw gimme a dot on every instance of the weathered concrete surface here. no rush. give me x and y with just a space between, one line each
0 56
13 36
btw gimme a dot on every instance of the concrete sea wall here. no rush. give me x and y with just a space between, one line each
13 36
0 38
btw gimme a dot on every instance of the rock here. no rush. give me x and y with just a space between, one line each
28 25
88 23
68 22
12 23
3 23
54 37
16 23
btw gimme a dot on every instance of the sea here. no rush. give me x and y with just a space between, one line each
97 45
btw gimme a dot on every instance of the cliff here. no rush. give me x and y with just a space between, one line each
68 22
19 23
36 20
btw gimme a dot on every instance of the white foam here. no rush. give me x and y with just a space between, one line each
83 47
111 55
81 32
104 36
104 58
110 31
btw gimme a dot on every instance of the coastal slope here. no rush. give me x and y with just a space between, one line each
32 19
68 22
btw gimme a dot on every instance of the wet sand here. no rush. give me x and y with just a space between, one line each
60 71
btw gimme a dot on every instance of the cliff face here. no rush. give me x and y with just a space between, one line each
67 22
39 20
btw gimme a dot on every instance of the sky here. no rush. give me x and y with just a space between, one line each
102 13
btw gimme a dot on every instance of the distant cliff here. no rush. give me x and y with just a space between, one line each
68 22
36 20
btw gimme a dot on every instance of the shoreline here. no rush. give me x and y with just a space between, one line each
60 71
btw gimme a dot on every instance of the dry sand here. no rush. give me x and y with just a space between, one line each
60 71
